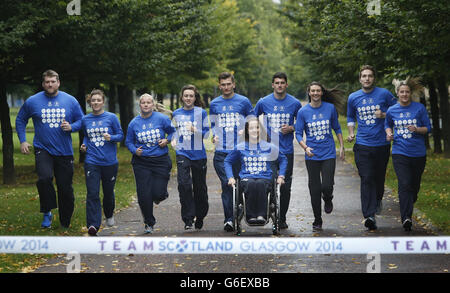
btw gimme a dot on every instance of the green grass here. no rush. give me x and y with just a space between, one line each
19 208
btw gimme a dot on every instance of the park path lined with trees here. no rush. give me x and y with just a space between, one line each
128 47
158 46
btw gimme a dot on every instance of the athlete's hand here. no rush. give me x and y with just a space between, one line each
309 152
25 148
139 151
66 126
231 181
107 136
342 153
390 136
163 142
350 138
280 180
285 129
83 148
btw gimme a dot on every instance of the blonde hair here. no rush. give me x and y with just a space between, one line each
158 107
146 96
414 84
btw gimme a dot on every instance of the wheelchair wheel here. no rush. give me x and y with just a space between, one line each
276 212
236 210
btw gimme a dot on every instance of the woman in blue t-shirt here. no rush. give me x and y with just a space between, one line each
101 133
191 122
256 157
406 124
147 137
317 120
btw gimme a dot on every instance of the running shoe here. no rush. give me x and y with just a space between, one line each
92 231
407 225
316 227
228 226
110 221
370 223
328 206
148 229
198 224
47 221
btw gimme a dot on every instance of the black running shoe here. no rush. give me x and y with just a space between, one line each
198 224
328 206
228 226
370 223
407 225
317 227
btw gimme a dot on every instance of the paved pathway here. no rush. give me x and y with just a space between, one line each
345 220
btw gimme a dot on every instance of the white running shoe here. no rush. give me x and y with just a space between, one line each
110 221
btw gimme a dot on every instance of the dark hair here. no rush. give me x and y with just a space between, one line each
262 132
368 67
95 92
50 73
334 96
225 75
279 75
198 101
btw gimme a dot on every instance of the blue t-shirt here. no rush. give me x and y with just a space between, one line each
398 118
317 123
228 117
277 113
190 144
256 160
99 151
145 133
361 108
48 113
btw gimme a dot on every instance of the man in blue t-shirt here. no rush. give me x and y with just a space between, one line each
368 107
228 114
55 115
279 110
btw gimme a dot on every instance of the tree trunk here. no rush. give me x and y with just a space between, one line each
9 175
112 98
206 100
445 115
126 106
427 137
435 117
81 97
172 106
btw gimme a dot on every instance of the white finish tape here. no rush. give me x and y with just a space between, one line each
224 245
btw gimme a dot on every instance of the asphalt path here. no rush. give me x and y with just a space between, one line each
344 221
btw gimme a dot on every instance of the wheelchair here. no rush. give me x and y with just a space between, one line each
273 208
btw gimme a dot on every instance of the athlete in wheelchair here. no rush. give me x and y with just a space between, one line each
256 196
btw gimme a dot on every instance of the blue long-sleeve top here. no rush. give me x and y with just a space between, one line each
398 118
318 124
47 114
256 160
228 118
145 133
277 113
361 108
190 144
100 151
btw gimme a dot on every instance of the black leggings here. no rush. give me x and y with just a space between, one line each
409 172
320 186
